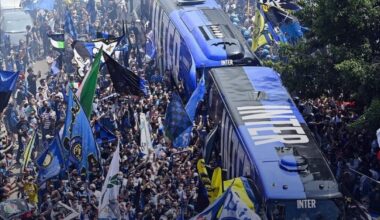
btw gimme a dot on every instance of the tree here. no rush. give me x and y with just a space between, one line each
340 54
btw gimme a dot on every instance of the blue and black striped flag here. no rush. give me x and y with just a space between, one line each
69 26
8 82
176 119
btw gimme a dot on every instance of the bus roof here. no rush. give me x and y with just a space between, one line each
209 33
274 134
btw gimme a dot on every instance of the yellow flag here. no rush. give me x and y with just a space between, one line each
28 150
216 184
238 187
203 174
258 38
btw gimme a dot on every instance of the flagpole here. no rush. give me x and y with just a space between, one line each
248 7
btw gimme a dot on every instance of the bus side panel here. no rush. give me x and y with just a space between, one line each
173 53
234 157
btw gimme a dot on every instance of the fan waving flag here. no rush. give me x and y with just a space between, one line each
176 119
123 79
8 82
57 41
78 140
86 91
51 161
69 25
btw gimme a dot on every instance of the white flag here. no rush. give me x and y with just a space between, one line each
83 64
146 141
108 204
235 208
107 48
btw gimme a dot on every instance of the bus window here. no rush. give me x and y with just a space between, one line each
278 212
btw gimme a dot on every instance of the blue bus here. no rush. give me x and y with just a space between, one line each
191 35
263 136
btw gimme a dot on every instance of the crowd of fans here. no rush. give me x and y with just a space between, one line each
353 156
165 182
245 22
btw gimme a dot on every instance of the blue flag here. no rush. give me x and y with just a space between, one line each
176 119
150 49
91 10
69 25
8 82
51 161
196 97
78 140
230 206
212 210
183 140
56 66
103 135
292 31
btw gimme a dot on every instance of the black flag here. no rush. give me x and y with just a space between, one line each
123 79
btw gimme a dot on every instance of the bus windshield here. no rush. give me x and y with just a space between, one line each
305 209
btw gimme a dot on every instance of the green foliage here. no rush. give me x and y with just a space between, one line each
370 119
340 55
